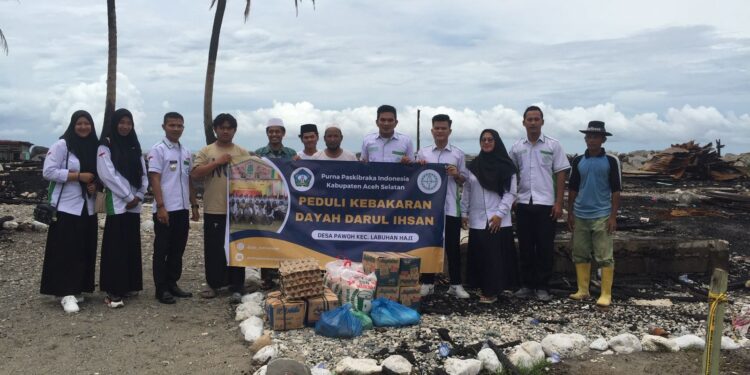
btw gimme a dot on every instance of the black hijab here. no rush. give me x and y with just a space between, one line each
493 169
83 148
126 151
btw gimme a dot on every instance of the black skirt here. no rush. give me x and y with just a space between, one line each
493 257
120 268
70 255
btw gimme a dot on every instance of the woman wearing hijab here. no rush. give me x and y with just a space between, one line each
122 170
486 201
70 252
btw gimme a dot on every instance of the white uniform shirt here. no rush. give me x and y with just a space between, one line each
174 163
537 165
391 150
71 200
303 156
119 190
449 155
345 156
479 204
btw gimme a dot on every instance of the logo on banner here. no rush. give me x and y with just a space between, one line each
302 179
429 181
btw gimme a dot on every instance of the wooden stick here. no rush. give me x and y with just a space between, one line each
717 304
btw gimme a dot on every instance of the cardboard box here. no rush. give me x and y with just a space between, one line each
317 305
385 265
284 314
389 292
409 296
408 269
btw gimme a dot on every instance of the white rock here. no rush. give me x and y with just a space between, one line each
10 225
663 302
608 352
38 226
252 328
320 371
31 195
690 342
489 359
102 222
744 342
147 226
261 371
625 343
357 366
728 344
455 366
599 344
265 354
246 310
196 225
566 345
256 297
397 365
527 354
653 343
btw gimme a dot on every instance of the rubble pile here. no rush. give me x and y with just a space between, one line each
691 160
22 182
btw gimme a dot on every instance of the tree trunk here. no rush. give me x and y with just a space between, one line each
109 104
213 49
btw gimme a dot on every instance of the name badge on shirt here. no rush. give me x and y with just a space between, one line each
173 165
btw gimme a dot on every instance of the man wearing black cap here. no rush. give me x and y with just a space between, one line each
308 133
593 200
275 132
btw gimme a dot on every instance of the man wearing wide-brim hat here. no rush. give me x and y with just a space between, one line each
593 200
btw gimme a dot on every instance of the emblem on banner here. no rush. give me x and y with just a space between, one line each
302 179
429 181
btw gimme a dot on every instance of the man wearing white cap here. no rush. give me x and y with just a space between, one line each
275 132
333 150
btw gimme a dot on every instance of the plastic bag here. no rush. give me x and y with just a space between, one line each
364 318
333 272
350 284
386 313
339 322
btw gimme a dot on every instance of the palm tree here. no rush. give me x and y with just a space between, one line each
109 102
213 49
3 42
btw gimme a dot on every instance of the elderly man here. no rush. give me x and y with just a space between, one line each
333 150
275 132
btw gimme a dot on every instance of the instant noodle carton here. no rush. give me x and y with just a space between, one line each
317 305
392 269
283 313
409 296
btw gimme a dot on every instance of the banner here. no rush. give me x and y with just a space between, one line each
283 209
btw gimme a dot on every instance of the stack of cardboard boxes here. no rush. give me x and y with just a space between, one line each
398 276
302 297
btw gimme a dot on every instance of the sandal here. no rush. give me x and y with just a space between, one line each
208 293
487 300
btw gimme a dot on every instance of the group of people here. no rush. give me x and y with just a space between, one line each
529 180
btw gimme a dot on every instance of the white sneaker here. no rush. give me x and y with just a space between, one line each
69 304
458 291
427 289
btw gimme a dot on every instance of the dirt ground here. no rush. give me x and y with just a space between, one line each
201 336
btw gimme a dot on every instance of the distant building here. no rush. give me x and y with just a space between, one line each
14 150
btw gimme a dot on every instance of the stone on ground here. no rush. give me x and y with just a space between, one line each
527 354
261 371
256 298
265 354
489 359
252 328
248 309
566 345
357 366
690 342
625 343
260 343
728 344
599 344
455 366
397 364
652 343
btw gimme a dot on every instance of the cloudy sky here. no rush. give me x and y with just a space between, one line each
657 72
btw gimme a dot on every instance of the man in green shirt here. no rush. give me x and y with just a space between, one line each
275 132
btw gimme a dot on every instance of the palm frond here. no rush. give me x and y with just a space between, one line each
247 9
213 2
3 42
296 6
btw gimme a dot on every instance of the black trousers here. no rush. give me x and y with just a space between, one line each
536 236
218 273
169 245
452 249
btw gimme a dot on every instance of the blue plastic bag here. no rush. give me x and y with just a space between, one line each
386 313
339 322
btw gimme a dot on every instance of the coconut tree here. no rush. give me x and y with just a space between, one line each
109 101
213 49
3 42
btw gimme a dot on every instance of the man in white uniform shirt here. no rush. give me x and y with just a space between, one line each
452 157
169 165
333 150
542 166
387 145
308 134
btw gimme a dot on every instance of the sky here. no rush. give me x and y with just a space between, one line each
657 72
